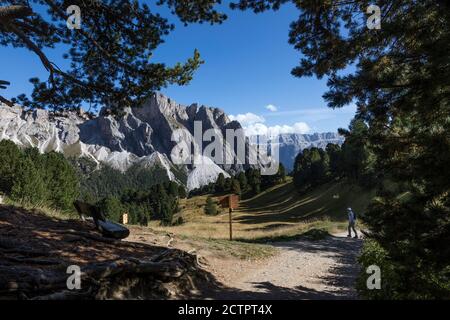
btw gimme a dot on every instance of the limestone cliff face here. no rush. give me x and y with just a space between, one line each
142 135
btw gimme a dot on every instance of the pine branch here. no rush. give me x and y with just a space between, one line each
14 12
6 101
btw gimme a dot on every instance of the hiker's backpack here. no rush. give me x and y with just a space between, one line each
354 215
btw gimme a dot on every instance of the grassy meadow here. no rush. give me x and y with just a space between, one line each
278 213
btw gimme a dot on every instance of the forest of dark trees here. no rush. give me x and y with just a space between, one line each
245 183
144 193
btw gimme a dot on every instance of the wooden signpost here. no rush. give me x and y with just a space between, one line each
125 218
231 202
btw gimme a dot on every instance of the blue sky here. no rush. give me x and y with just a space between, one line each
247 68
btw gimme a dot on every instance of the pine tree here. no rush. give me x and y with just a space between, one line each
112 208
182 192
335 155
235 187
10 157
173 189
211 207
60 179
281 174
242 181
220 182
29 186
228 184
254 179
167 211
357 158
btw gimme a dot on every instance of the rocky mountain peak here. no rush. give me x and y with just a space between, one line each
142 135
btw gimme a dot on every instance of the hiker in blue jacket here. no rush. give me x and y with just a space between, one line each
351 223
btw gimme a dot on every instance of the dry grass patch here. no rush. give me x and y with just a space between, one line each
276 214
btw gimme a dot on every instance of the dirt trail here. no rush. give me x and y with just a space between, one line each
301 269
323 269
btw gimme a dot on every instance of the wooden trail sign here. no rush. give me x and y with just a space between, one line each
125 218
231 202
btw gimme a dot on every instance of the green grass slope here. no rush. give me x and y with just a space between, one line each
284 203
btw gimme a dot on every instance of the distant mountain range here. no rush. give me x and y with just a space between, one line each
291 144
140 136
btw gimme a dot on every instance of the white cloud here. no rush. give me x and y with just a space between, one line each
247 119
262 129
253 124
272 108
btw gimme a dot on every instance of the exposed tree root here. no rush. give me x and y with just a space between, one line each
35 252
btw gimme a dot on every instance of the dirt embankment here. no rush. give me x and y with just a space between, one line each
36 250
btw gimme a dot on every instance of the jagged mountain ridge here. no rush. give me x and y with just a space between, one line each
142 135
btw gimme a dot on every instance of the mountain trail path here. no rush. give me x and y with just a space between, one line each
302 269
299 269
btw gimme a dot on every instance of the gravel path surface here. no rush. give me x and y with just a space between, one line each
302 269
323 269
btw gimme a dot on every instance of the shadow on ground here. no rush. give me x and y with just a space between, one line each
342 275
